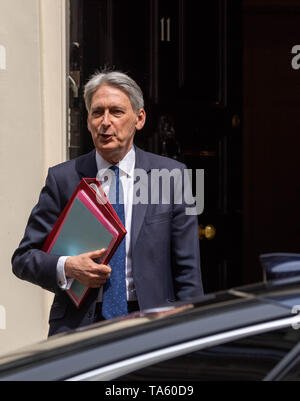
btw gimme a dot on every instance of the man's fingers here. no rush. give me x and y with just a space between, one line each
102 270
84 269
96 254
96 282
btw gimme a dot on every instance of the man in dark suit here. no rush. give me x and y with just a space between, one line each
161 257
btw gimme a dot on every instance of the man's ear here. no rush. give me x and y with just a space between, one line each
140 120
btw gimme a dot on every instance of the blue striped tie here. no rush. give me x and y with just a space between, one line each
114 301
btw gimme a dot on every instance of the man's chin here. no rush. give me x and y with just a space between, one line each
109 151
112 152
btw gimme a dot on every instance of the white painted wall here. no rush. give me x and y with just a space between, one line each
32 137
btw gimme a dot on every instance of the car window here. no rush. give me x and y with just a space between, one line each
250 358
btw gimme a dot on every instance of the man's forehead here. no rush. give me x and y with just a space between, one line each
110 93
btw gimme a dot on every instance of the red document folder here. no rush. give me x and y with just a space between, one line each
87 223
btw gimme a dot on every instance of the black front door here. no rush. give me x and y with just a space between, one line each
186 56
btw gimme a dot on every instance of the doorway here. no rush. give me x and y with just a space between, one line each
187 57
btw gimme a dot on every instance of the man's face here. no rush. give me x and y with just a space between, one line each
112 123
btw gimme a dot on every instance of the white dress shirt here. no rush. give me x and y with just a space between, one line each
126 168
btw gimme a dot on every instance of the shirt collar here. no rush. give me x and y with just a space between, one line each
126 164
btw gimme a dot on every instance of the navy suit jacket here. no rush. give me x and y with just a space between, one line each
164 241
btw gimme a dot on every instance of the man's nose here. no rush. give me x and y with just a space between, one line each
106 119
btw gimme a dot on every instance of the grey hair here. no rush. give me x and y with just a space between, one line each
118 80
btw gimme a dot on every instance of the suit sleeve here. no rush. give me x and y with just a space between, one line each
185 247
29 262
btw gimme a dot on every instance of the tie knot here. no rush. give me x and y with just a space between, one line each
116 191
115 169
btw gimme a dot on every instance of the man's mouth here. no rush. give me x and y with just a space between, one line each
105 137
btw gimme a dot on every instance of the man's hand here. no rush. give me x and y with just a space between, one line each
89 273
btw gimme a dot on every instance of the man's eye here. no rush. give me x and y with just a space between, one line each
117 112
96 113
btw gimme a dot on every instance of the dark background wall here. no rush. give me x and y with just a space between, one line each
271 128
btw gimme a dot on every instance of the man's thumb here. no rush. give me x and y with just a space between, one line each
97 253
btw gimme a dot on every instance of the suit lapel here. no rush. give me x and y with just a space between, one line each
86 165
139 210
